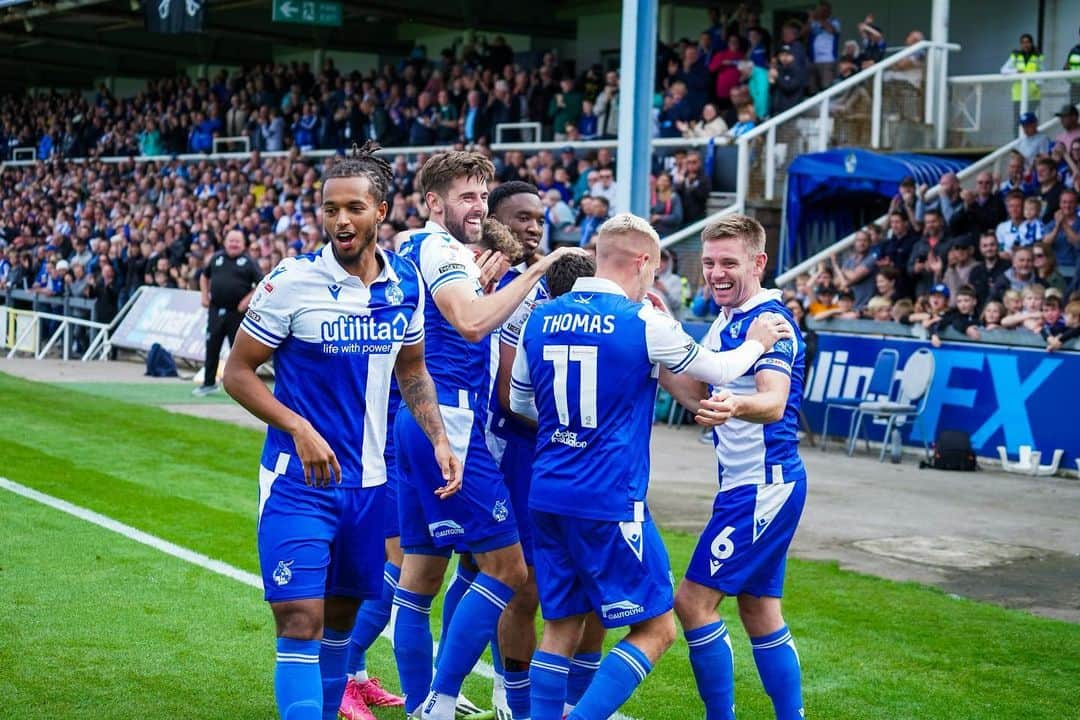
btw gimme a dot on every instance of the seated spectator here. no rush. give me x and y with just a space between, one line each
960 263
879 309
1063 232
1018 277
595 212
710 124
747 121
1030 316
1031 229
824 301
1009 231
990 319
665 209
856 271
1046 271
604 186
1049 187
693 186
960 318
1071 330
885 282
789 81
982 208
1032 142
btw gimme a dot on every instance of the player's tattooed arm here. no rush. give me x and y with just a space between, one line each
418 392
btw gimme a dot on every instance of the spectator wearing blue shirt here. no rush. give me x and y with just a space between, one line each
588 124
305 128
46 147
596 212
824 46
201 137
759 47
873 41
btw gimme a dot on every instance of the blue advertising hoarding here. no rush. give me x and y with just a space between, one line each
1000 395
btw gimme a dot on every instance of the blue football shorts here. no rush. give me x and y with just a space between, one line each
319 541
744 547
619 570
516 467
478 518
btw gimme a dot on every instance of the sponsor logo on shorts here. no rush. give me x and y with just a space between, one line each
283 572
444 529
621 609
568 438
254 315
500 512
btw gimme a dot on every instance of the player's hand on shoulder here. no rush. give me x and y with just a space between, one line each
451 470
560 252
319 461
716 410
768 328
493 265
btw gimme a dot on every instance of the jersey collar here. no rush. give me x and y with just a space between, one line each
758 298
340 274
598 285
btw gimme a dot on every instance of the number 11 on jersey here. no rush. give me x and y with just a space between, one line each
586 356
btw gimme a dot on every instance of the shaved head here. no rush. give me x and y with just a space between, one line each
628 252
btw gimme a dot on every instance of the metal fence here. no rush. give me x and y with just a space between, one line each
984 109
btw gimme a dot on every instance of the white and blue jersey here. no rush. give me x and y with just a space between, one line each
501 423
743 548
750 453
335 344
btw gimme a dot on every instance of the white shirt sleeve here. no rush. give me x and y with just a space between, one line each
415 332
522 395
510 332
269 315
669 345
444 260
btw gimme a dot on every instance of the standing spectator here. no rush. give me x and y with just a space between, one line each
1050 188
1008 231
790 35
607 105
588 123
694 73
272 131
906 202
1019 277
1032 143
306 128
856 271
759 49
926 264
948 202
1070 126
1063 232
447 114
788 80
1016 177
989 269
756 79
665 210
564 108
982 210
960 262
824 46
1027 59
1030 316
604 186
873 43
227 285
693 186
672 287
1072 62
725 65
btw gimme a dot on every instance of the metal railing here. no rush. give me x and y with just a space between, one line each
978 103
848 113
26 336
229 142
843 244
534 127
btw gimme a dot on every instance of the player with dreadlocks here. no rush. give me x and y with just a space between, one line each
339 324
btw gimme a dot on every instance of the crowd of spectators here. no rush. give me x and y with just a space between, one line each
1001 256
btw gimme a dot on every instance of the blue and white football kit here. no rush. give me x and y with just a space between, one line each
479 517
743 548
335 344
590 361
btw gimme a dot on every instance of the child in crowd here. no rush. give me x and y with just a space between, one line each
936 305
1071 330
961 318
991 316
844 309
879 309
747 121
1031 229
1030 315
1053 322
1012 302
902 310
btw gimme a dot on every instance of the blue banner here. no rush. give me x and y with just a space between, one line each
1009 396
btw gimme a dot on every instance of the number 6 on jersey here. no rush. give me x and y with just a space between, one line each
561 356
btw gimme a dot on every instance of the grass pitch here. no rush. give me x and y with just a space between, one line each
95 625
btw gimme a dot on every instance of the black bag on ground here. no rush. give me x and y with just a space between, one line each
952 451
160 363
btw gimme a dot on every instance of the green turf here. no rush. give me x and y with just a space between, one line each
96 625
162 392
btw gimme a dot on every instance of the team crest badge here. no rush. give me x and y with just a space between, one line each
394 294
283 572
734 329
500 512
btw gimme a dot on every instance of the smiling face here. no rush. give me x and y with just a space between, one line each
351 217
523 213
732 272
463 208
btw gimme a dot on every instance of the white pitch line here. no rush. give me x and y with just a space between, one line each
483 669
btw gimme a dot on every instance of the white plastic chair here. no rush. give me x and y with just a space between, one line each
915 380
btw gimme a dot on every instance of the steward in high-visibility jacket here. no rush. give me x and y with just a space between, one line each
1024 61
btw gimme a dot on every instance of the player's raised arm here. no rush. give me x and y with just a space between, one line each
418 392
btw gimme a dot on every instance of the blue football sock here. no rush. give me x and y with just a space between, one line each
714 669
778 665
333 656
517 693
297 682
412 645
463 578
371 619
583 667
496 655
624 668
547 681
471 628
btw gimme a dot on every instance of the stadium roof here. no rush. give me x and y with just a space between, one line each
70 42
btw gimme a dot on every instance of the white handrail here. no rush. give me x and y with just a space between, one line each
821 101
846 242
1015 77
694 228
